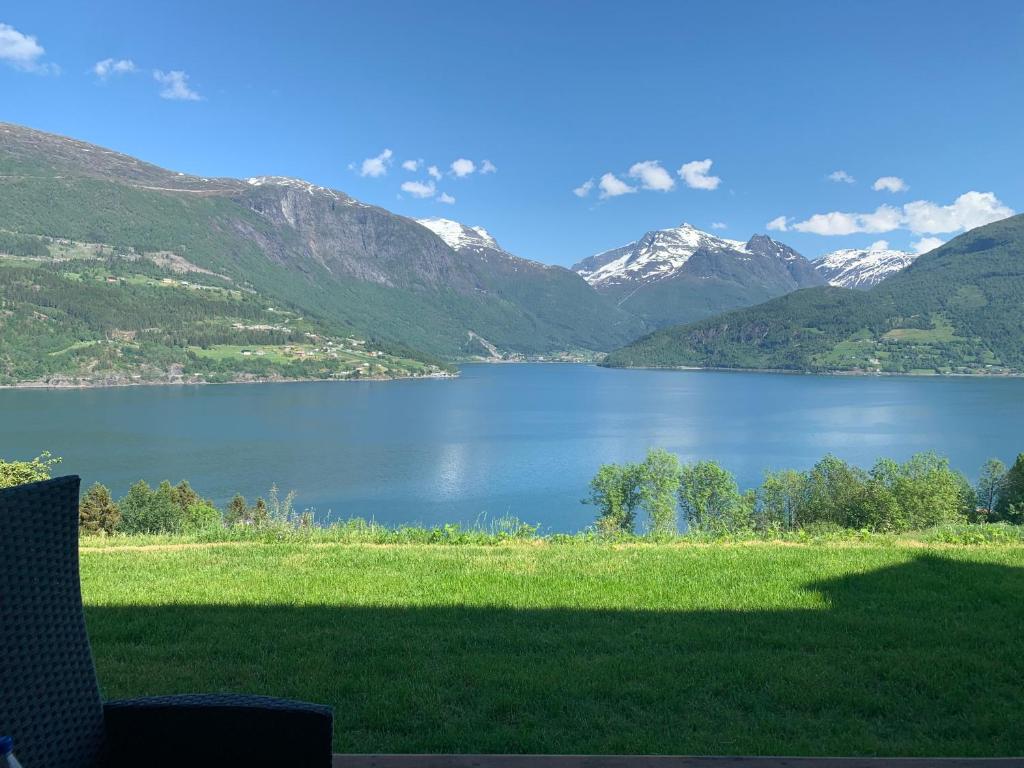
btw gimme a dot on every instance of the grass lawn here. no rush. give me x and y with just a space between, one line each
856 649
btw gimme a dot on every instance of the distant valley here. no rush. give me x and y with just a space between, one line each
115 271
956 309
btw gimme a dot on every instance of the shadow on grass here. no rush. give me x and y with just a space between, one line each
925 658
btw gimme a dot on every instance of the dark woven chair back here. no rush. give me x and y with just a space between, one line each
49 698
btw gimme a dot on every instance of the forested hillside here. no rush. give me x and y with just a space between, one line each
957 309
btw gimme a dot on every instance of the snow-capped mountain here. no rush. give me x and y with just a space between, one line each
862 267
682 274
459 236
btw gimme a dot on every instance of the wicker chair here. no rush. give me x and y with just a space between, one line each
49 697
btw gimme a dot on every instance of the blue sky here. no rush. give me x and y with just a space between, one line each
778 96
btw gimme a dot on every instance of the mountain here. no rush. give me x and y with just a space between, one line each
556 296
862 268
956 309
356 269
682 274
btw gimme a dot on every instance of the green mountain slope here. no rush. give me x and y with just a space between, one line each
74 314
956 309
357 268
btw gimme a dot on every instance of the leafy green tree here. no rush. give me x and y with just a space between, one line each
237 512
144 510
202 516
20 472
615 491
834 492
184 496
1011 493
260 514
990 485
97 512
659 484
780 499
709 496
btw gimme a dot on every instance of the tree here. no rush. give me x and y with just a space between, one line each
20 472
615 491
990 485
237 512
97 512
1012 492
709 496
780 500
659 484
184 496
834 493
260 514
144 510
201 516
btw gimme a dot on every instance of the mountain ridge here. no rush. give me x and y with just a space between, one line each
683 273
955 309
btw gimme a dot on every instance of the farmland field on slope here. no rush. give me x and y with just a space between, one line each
358 268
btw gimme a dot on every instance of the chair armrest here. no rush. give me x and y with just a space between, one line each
222 730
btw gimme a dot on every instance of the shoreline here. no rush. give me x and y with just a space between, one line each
791 372
64 385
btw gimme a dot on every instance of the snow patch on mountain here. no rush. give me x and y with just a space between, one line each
459 236
657 255
862 267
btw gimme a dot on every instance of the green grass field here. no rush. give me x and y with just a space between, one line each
895 648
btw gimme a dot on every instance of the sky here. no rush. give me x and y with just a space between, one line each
564 128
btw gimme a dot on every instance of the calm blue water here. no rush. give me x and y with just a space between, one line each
518 440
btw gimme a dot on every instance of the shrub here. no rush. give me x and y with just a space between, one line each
659 484
711 500
147 511
1011 492
616 491
201 516
97 512
20 472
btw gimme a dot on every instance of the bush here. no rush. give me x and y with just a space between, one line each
147 511
20 472
659 484
616 491
712 501
97 512
1011 492
201 516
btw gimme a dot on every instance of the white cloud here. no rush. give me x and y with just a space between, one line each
890 184
841 176
652 176
103 69
719 225
879 245
434 172
375 167
444 197
488 167
175 85
584 189
463 167
970 210
779 224
411 165
419 188
695 174
883 219
612 186
926 244
23 52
